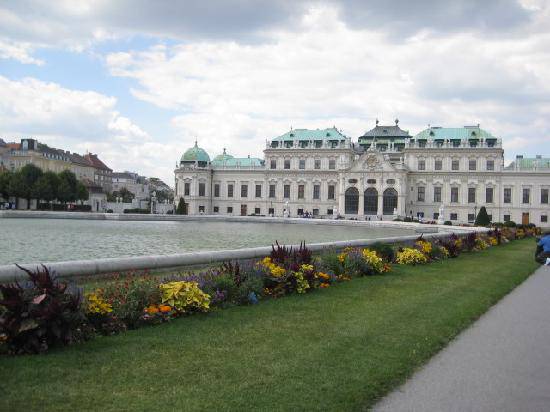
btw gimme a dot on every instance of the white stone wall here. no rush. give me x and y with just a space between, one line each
372 169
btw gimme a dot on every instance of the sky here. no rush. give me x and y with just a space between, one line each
138 81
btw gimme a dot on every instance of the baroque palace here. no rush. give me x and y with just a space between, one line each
386 173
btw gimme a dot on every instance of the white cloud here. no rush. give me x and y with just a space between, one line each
80 121
236 96
22 52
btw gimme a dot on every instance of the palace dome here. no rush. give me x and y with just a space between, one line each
195 154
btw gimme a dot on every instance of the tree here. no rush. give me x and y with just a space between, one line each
17 188
46 187
482 218
182 207
5 178
67 190
82 193
29 174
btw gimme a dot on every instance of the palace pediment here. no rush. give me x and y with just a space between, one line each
372 161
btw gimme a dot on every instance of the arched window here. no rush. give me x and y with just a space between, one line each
371 201
352 201
389 201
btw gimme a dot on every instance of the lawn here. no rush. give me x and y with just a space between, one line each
340 348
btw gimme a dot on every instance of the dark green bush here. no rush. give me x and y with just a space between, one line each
448 223
482 218
510 223
385 251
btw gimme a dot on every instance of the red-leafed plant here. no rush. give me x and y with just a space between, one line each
40 314
290 258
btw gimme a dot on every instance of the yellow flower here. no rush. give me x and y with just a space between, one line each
409 256
306 268
323 276
277 271
96 304
342 257
424 246
375 262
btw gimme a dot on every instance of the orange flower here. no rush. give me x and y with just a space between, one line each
324 285
165 308
151 309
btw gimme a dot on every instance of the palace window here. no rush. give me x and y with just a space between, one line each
271 211
506 218
371 181
471 217
286 191
230 190
244 190
273 163
544 196
488 195
229 209
421 165
301 191
490 165
437 194
454 194
453 216
421 194
315 212
202 189
438 164
317 164
507 195
455 165
258 190
272 191
456 143
526 195
330 195
543 218
472 164
186 189
302 164
216 209
471 195
201 208
217 190
332 164
257 211
316 191
330 212
287 163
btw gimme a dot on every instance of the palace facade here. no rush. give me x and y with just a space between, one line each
384 174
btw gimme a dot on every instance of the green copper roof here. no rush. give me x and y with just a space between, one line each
469 132
195 154
308 134
530 163
222 157
231 161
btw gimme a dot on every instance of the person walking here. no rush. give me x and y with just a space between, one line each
542 254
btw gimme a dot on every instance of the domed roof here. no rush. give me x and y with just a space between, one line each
223 156
195 154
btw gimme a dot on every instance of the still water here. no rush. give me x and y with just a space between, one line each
41 240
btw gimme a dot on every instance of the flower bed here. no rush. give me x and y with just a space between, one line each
47 312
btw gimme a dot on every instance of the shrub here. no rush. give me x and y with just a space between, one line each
482 218
453 245
100 314
138 211
385 251
510 223
130 296
469 242
410 256
185 296
448 223
41 314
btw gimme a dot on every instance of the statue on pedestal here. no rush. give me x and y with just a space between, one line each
441 216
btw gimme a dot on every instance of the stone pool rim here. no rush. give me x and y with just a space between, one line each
91 267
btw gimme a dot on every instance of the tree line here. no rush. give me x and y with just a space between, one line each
30 182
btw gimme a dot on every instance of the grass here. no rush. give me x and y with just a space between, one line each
341 348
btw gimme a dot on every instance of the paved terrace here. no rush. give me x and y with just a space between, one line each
501 363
